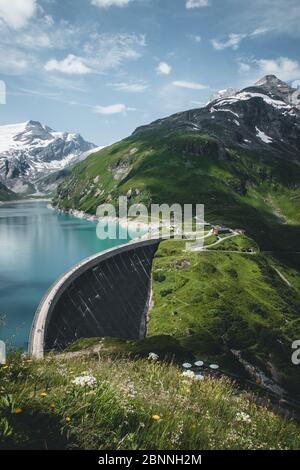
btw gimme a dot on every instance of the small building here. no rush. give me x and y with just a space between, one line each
217 230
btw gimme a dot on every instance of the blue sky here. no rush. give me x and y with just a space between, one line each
104 67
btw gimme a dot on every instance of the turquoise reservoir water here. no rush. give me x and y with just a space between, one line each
37 245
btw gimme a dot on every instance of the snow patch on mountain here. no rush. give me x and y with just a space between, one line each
262 136
246 95
31 150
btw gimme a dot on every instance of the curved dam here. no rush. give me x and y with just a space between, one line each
105 295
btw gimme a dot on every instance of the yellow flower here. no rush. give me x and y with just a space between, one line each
156 418
5 367
52 406
18 411
68 419
43 394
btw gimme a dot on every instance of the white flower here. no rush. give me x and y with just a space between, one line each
189 374
153 357
199 377
85 381
186 365
241 416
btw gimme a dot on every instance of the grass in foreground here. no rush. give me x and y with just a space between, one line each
99 403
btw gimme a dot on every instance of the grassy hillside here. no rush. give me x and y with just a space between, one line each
238 188
96 402
213 302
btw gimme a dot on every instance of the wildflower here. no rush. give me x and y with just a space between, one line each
5 367
153 357
18 411
85 380
68 419
156 418
241 416
199 377
43 394
52 406
189 374
187 365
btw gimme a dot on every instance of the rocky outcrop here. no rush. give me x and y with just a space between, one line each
264 117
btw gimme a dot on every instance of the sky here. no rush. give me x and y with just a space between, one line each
104 67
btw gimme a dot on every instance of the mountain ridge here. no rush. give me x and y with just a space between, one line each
239 156
30 150
251 117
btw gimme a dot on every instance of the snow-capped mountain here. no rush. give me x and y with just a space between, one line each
265 116
29 151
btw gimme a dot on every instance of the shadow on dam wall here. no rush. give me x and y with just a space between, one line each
105 295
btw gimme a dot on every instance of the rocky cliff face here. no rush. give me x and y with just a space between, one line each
265 117
6 194
29 151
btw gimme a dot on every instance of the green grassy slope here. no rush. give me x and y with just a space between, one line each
234 185
130 404
214 301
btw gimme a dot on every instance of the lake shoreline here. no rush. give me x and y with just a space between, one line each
125 223
37 245
21 201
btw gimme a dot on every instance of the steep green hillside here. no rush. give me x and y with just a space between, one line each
214 302
234 184
6 194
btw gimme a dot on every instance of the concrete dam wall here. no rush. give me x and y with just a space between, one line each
105 295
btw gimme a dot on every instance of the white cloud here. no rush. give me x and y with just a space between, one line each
195 37
196 4
258 31
174 99
244 68
278 16
13 66
189 85
71 65
110 3
39 35
101 53
283 67
109 51
14 62
138 87
112 109
163 68
16 13
233 42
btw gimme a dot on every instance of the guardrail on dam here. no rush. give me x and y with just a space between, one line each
105 295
